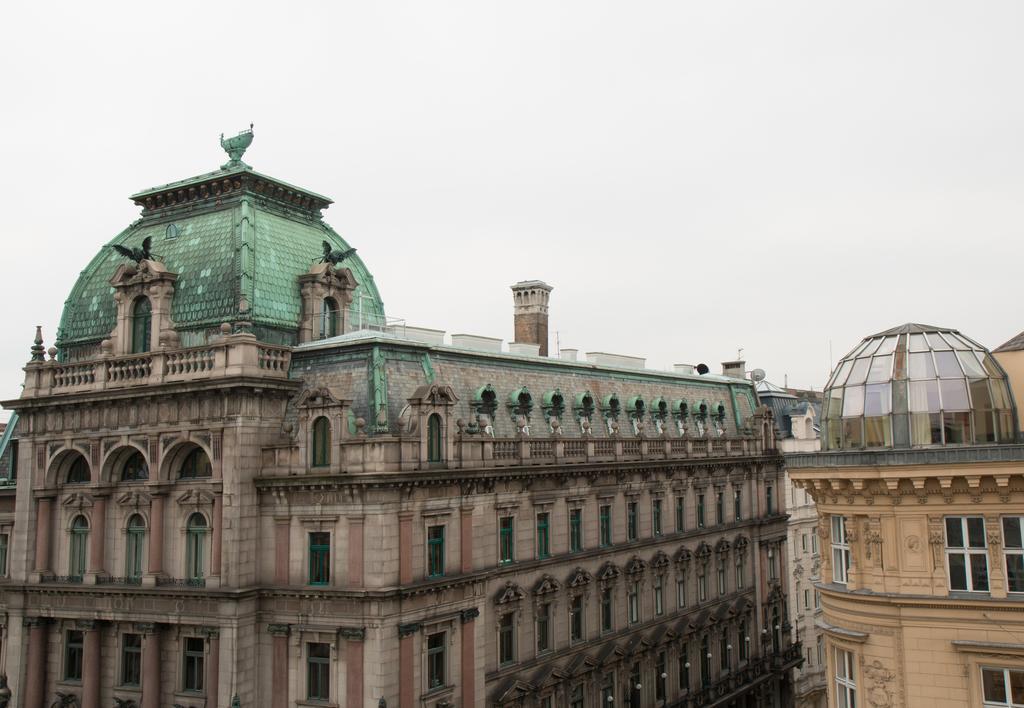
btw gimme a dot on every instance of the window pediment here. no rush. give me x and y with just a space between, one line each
546 585
509 594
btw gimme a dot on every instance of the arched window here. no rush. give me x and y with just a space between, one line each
135 541
79 472
195 544
135 468
79 544
196 464
142 325
434 450
329 318
321 442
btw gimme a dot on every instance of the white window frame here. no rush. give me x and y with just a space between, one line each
1008 703
840 550
967 551
845 679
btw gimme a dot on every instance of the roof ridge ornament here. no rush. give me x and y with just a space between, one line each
235 147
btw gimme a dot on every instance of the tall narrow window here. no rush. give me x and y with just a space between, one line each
319 558
437 668
507 639
721 578
195 546
773 567
659 595
737 504
329 318
702 586
966 553
814 544
576 619
79 543
605 523
769 500
724 650
846 683
705 662
684 668
135 468
142 325
575 530
543 536
632 523
321 442
741 570
4 541
681 591
196 464
680 514
194 664
656 517
608 688
700 511
660 676
576 696
633 602
79 472
543 627
1013 547
506 539
744 640
435 551
135 542
435 452
131 660
719 508
840 550
607 610
74 643
318 671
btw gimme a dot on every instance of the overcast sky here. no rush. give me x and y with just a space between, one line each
692 178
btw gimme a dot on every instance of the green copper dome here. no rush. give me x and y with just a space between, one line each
237 240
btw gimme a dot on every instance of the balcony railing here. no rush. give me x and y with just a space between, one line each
233 355
181 582
119 580
735 683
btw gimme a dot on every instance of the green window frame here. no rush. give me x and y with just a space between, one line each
632 521
507 639
605 525
79 546
318 671
656 517
575 530
321 442
435 551
437 645
194 670
74 650
319 558
135 542
543 535
195 542
131 660
506 539
435 450
576 619
680 514
607 610
700 511
142 325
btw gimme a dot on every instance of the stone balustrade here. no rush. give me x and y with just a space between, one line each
232 355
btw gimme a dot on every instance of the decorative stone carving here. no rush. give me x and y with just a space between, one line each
879 692
152 280
323 282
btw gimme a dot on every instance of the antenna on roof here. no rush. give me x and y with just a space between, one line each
757 375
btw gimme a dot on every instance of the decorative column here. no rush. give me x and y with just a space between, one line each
156 537
468 666
45 508
91 649
354 638
466 541
218 534
282 537
35 670
355 556
98 536
405 548
279 666
213 667
406 666
150 664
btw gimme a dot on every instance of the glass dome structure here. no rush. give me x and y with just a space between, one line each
917 386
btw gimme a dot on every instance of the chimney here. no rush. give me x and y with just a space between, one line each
736 369
531 313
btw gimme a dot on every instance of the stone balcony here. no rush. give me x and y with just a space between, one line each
232 356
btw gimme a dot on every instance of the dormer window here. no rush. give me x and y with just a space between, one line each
142 325
435 449
321 442
329 318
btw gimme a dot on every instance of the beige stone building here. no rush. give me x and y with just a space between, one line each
920 495
237 478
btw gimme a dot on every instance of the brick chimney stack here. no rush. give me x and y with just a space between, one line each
531 313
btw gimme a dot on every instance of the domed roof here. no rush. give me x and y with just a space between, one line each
238 241
914 386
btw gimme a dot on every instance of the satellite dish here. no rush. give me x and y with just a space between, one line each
702 369
757 375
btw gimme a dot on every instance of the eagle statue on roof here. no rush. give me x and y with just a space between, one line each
136 254
334 256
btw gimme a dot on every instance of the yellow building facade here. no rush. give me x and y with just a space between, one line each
920 497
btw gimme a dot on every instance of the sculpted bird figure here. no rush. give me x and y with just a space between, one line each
136 254
334 256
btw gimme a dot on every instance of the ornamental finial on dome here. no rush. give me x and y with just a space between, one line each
235 147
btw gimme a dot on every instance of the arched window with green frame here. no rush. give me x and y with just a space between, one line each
195 546
79 546
321 442
142 325
435 450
